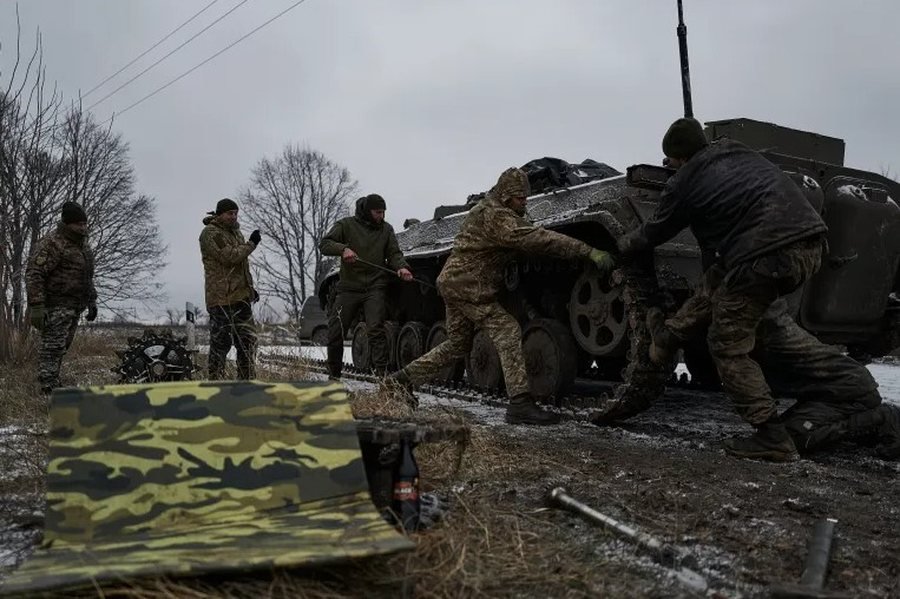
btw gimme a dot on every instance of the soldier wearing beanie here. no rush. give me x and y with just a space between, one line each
492 234
761 239
59 283
229 290
362 288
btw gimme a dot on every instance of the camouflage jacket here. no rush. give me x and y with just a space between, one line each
490 237
226 264
61 271
373 243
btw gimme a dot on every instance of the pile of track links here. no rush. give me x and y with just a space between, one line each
156 356
571 407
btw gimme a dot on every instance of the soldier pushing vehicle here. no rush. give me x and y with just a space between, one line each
470 283
229 290
365 242
60 285
761 240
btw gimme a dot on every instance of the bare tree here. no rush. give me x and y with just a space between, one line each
28 177
48 156
174 316
97 172
294 199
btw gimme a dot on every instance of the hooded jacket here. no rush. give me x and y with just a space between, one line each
490 236
738 205
226 263
375 243
61 271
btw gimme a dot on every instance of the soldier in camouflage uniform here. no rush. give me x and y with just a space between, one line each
756 225
229 290
472 278
60 285
366 236
837 398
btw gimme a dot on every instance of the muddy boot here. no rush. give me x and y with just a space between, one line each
770 442
400 384
524 410
663 344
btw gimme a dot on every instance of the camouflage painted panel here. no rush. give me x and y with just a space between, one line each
192 477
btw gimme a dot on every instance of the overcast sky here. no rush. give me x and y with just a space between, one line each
426 102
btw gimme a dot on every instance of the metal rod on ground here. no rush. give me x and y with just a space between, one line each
386 269
815 569
662 552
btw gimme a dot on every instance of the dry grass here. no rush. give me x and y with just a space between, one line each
493 542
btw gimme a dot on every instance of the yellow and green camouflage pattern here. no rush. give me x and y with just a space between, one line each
193 477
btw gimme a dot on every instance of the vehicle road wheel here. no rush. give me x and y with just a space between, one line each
320 336
411 342
551 357
359 347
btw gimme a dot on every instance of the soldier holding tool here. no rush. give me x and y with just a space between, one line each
368 248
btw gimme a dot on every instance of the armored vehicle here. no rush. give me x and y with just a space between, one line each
575 321
313 323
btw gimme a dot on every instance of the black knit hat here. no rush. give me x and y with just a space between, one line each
225 205
375 202
73 213
684 138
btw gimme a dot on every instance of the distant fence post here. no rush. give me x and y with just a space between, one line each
190 315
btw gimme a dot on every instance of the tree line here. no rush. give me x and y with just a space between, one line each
53 151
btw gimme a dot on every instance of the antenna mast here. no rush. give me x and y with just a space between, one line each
681 30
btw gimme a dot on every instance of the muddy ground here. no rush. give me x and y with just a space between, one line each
741 524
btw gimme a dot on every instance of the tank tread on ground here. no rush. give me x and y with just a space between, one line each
574 320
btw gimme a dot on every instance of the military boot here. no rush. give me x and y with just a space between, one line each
663 344
880 426
400 383
770 442
524 410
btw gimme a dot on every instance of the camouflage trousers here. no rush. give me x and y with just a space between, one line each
343 311
829 386
463 319
60 325
732 305
232 325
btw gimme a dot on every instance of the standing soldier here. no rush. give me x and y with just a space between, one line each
764 240
60 285
229 290
471 281
364 237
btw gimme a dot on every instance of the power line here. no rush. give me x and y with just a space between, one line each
192 69
177 48
145 52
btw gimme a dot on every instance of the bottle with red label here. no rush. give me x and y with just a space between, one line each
406 488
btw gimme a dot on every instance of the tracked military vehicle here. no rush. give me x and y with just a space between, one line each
574 320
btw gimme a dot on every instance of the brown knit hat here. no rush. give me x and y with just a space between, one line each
684 138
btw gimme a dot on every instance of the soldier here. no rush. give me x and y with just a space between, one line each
758 228
229 290
60 285
470 283
366 236
837 398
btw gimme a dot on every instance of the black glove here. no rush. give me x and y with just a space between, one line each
92 313
255 237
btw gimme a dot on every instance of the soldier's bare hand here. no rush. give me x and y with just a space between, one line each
405 274
348 256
